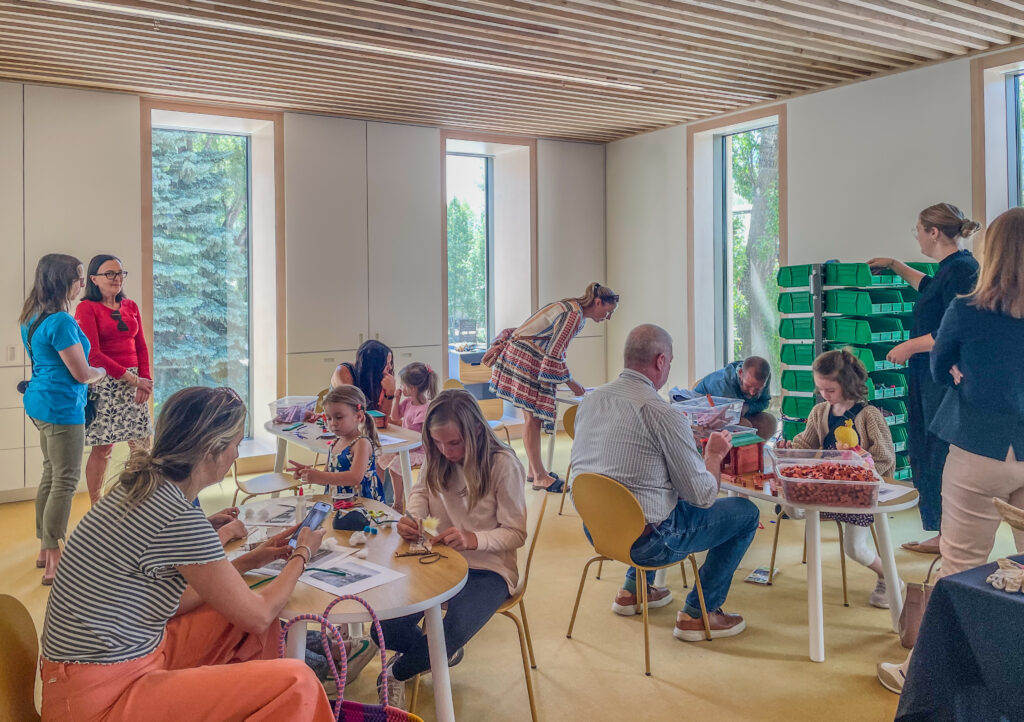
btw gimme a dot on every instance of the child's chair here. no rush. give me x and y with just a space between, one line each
19 647
569 423
495 424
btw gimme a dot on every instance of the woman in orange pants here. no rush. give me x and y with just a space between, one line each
147 619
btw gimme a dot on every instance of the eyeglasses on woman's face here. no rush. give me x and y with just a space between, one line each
112 275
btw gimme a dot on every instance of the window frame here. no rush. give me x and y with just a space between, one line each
1014 181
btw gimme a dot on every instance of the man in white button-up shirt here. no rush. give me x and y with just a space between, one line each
627 431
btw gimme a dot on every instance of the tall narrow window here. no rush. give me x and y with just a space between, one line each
470 301
1015 137
201 262
749 257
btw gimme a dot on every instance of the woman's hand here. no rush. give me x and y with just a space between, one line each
234 529
408 529
881 262
142 395
957 374
387 384
141 383
456 539
576 388
900 353
308 537
276 547
224 516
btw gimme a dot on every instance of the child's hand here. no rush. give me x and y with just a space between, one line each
300 471
456 539
785 444
408 529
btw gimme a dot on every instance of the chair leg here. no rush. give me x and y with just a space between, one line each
874 535
508 438
234 499
579 592
523 637
565 488
529 641
700 598
804 560
600 566
842 561
415 694
641 587
682 568
775 547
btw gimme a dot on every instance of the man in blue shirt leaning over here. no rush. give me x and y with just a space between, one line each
747 380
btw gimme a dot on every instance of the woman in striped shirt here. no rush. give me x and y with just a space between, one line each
146 612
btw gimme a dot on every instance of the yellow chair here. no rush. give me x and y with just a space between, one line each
20 647
569 423
508 607
615 520
842 553
495 424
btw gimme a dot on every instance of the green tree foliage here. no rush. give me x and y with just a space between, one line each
200 262
467 269
755 244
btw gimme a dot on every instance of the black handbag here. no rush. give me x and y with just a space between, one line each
91 396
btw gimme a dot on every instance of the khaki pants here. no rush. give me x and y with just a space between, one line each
62 446
969 519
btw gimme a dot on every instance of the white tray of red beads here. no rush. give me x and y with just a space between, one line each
817 477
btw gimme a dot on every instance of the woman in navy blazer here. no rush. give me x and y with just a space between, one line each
979 351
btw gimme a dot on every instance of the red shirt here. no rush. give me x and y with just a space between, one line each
114 350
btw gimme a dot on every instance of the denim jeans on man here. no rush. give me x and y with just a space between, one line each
725 529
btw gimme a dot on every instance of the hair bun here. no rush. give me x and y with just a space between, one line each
968 228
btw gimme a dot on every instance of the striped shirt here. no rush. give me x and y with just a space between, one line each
117 585
625 430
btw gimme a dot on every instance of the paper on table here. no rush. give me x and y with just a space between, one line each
387 440
888 492
273 512
322 558
359 576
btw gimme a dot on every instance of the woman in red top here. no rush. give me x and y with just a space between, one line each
114 327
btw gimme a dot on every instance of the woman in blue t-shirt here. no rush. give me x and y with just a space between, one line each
55 398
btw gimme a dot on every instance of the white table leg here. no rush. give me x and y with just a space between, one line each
296 643
551 440
443 705
815 614
892 577
403 455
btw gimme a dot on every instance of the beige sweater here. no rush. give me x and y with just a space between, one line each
875 437
498 519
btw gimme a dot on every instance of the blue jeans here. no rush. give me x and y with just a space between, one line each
726 529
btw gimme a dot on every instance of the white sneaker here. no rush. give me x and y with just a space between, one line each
396 689
891 676
880 597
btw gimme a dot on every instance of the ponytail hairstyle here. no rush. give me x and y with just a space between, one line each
352 397
1001 281
595 291
421 377
194 423
950 220
457 406
56 273
845 369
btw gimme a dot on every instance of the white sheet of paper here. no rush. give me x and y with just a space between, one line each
387 439
888 492
272 512
323 558
359 576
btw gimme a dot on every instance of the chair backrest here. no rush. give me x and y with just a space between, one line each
452 384
569 421
19 648
319 409
534 517
611 514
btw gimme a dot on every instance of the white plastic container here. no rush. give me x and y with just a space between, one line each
292 409
698 412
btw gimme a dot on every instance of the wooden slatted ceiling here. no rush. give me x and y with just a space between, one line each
592 70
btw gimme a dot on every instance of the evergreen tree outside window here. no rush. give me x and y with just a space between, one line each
201 262
468 191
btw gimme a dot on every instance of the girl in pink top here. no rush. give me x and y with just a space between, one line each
417 386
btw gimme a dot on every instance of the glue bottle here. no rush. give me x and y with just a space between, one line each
300 507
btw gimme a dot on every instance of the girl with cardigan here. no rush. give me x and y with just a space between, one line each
841 378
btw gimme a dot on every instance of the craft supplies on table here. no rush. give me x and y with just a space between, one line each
825 477
292 409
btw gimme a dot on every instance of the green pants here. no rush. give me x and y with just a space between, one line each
62 446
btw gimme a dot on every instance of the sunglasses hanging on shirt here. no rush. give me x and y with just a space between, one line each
121 325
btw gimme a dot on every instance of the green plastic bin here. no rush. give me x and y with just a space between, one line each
858 274
896 407
794 276
862 331
873 357
866 303
899 437
927 268
902 472
889 384
797 407
791 428
798 302
797 354
802 381
796 328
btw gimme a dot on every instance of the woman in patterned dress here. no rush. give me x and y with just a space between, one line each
113 324
529 363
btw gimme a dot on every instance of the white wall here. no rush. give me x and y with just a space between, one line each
571 250
647 241
512 248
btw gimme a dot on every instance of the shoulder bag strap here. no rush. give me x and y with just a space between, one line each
28 339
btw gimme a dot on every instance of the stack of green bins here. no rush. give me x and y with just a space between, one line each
796 330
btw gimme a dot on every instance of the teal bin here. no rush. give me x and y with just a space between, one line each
796 328
894 411
873 357
889 384
866 303
899 438
797 407
802 381
794 276
902 472
791 428
863 331
858 274
797 302
797 354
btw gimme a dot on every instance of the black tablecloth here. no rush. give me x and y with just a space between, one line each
969 660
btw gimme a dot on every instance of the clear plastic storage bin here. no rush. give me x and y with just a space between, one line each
830 489
699 413
292 409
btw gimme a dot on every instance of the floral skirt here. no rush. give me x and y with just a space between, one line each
118 417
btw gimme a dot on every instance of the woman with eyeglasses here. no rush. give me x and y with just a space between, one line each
55 397
113 324
940 232
528 363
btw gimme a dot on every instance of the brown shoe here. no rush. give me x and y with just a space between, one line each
689 629
626 604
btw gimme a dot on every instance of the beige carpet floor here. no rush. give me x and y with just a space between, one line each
763 674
